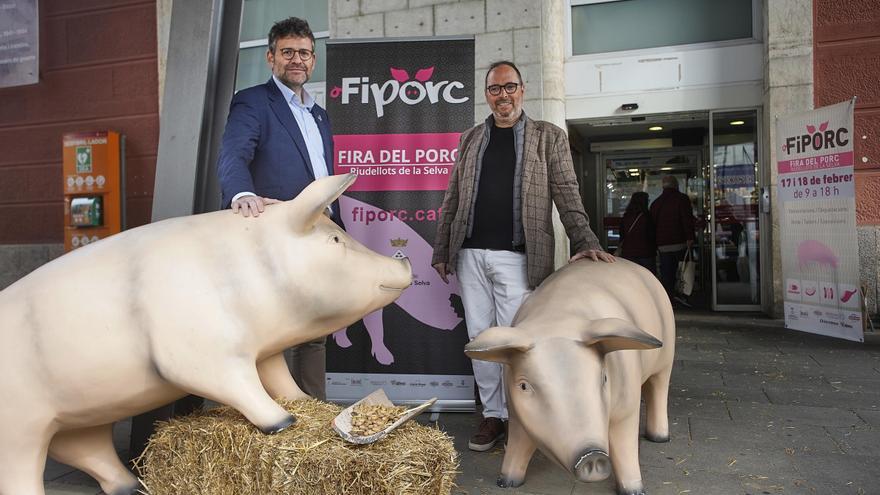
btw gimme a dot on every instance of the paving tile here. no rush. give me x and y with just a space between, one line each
780 377
720 393
869 416
790 415
856 442
822 398
682 406
838 473
706 379
717 435
55 470
56 488
856 384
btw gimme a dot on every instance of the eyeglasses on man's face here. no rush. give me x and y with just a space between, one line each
304 54
509 88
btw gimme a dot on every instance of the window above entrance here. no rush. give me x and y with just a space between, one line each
602 26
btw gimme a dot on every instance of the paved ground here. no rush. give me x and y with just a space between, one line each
754 409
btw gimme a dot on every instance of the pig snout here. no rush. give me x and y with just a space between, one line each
400 279
593 465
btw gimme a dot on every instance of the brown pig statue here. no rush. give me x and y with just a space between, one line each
200 305
581 350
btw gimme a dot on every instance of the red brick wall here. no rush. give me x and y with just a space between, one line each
98 70
846 36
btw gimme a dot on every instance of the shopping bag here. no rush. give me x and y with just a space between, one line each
684 277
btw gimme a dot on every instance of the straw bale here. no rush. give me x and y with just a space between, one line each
219 452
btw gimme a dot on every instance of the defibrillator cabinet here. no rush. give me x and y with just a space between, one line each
93 168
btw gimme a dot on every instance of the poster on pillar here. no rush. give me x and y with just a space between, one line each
397 108
818 239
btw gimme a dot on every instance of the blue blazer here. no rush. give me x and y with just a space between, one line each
263 150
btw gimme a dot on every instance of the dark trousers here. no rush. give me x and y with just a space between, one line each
649 262
308 365
668 267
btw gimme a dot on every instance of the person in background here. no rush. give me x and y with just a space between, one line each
496 230
637 233
673 218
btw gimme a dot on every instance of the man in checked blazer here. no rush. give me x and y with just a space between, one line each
277 141
496 231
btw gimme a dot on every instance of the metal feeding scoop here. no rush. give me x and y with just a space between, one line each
342 422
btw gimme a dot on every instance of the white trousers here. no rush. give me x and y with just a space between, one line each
493 286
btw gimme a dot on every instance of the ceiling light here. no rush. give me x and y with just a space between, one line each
631 170
737 122
655 128
666 168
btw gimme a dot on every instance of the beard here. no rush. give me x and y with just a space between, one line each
505 111
292 79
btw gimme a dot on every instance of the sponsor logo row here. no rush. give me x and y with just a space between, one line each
822 293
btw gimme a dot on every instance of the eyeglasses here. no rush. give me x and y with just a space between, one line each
509 88
304 54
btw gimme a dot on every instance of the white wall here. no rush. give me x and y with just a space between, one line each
661 80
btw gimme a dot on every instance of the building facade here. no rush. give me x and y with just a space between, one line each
645 88
97 71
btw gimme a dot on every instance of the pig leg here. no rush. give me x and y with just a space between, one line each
341 338
236 383
656 392
517 455
376 329
22 459
277 380
91 450
623 437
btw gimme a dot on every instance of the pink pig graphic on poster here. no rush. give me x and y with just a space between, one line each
813 251
428 300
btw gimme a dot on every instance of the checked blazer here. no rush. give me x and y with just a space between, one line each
547 175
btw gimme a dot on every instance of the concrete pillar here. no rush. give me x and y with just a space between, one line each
788 88
553 95
163 31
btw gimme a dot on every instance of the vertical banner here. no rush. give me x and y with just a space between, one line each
820 253
397 109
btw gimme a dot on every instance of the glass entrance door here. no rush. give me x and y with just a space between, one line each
735 221
630 172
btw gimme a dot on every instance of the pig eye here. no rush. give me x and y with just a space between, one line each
524 386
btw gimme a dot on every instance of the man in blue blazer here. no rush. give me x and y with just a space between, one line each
276 142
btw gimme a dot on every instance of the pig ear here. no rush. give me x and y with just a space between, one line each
498 344
311 203
614 334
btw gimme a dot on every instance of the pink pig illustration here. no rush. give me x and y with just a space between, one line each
427 300
812 251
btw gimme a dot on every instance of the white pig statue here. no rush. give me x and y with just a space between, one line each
581 351
200 305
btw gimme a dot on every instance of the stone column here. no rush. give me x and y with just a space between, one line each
163 30
553 95
788 88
